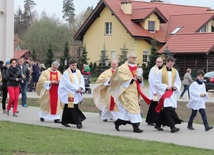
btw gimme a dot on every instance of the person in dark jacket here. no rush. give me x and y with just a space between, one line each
24 82
14 78
34 76
4 85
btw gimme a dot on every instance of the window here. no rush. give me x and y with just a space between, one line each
203 29
176 30
151 26
145 57
113 55
108 28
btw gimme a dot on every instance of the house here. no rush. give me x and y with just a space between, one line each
22 54
187 31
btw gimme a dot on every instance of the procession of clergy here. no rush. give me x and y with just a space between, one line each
116 94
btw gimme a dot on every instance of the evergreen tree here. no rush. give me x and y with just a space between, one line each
33 55
167 53
123 56
152 59
27 16
84 57
50 57
64 60
68 11
102 62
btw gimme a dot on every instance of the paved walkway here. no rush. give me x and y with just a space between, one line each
197 138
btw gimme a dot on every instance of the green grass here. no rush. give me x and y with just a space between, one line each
21 139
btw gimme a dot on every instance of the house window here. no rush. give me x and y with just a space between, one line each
176 30
108 28
203 29
145 57
113 55
151 26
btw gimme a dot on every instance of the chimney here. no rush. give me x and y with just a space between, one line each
126 7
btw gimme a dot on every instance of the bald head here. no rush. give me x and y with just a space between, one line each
131 58
114 64
159 62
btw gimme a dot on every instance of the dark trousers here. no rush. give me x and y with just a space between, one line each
72 115
203 116
24 87
186 88
152 115
4 97
168 117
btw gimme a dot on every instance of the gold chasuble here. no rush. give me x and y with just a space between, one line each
128 97
102 98
49 102
70 95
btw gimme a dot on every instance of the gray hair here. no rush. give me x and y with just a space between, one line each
55 63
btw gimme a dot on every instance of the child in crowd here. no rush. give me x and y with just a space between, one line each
198 98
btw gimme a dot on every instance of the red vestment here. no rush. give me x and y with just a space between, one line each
53 92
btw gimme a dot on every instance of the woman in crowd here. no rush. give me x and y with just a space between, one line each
14 78
186 82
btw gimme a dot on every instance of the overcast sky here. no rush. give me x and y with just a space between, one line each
55 6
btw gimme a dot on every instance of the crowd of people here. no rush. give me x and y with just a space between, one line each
116 93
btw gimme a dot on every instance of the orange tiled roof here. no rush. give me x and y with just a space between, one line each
192 18
19 53
190 43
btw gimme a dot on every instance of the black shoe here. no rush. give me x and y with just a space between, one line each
65 124
14 115
79 126
152 124
116 126
174 129
190 128
208 128
137 130
105 120
158 128
57 121
42 119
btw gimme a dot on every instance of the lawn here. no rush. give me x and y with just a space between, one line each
22 139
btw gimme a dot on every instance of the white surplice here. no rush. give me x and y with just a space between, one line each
161 88
66 86
196 101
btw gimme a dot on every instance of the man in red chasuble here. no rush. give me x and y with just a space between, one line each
47 87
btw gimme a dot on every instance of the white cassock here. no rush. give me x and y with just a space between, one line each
161 88
196 102
66 86
152 75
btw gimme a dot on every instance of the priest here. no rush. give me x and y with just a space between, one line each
126 90
47 87
70 91
167 85
102 99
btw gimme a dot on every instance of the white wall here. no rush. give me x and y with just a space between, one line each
7 30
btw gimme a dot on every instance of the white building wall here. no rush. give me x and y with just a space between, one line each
6 30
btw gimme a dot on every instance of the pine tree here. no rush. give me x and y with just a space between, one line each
33 55
84 57
102 62
68 11
152 59
64 60
167 53
123 56
50 57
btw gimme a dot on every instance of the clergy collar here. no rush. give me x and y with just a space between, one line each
73 71
168 69
131 64
198 81
53 71
159 67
